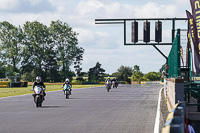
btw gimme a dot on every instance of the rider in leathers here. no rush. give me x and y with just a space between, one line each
39 82
108 79
116 82
68 83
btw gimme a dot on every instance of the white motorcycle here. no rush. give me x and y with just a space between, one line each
38 96
108 85
67 90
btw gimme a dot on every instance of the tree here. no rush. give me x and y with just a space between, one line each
40 50
116 74
65 40
34 46
137 76
124 73
10 48
95 73
2 70
136 69
77 66
153 76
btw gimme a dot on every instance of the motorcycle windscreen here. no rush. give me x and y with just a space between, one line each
66 87
37 89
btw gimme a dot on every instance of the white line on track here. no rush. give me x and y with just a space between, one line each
157 120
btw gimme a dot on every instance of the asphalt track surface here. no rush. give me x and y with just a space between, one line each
127 109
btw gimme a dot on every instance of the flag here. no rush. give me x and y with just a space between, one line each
181 54
193 32
190 47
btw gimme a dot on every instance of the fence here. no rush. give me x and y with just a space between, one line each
174 57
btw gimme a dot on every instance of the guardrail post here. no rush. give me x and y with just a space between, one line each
198 101
188 91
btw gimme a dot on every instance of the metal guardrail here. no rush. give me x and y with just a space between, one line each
175 122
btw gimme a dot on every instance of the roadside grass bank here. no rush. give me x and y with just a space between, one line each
163 111
6 92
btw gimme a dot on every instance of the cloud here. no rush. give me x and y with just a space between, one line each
100 40
33 2
87 7
153 10
147 57
85 36
8 5
26 6
182 2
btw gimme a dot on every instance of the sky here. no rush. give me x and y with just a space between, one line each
103 43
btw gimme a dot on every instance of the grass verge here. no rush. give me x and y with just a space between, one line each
5 92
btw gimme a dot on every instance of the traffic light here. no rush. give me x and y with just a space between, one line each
146 35
158 31
134 32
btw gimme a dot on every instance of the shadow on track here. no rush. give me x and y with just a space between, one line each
53 106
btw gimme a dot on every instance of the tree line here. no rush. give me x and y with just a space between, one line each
36 49
124 73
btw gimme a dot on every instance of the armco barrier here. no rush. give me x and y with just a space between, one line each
175 122
18 84
122 82
4 84
102 83
89 83
76 83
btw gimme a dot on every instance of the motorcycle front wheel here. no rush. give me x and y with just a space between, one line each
37 102
108 89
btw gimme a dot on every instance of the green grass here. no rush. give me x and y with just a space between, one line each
5 92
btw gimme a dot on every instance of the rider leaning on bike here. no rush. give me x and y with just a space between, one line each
67 82
108 79
39 82
115 80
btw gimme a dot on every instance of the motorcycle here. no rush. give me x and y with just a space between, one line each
66 91
114 84
108 85
38 96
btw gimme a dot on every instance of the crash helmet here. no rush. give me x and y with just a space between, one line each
67 80
38 79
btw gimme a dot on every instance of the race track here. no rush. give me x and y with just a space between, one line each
127 109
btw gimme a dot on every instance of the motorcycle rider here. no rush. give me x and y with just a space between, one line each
39 82
67 82
115 80
108 79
